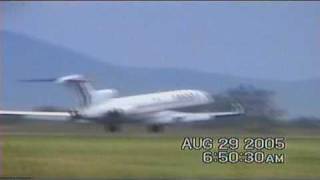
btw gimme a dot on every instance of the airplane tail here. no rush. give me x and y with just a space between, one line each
82 87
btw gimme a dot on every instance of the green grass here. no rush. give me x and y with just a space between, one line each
78 156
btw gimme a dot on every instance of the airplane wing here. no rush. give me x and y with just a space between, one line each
165 117
37 115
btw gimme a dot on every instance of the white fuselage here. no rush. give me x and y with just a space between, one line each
147 103
103 106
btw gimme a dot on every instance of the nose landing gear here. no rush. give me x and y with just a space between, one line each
156 128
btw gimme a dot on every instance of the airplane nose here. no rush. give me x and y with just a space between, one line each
207 96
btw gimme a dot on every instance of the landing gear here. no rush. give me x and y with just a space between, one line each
112 128
156 128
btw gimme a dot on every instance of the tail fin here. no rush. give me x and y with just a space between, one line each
80 85
86 93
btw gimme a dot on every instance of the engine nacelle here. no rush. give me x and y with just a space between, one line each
103 95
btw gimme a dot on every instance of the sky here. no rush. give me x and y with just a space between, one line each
262 40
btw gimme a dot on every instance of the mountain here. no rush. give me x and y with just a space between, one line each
25 57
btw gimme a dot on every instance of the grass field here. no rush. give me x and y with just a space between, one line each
141 156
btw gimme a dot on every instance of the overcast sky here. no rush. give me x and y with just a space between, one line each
269 40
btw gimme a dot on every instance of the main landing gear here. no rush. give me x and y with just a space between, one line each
112 128
116 127
156 128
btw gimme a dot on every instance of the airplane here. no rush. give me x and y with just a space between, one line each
106 107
